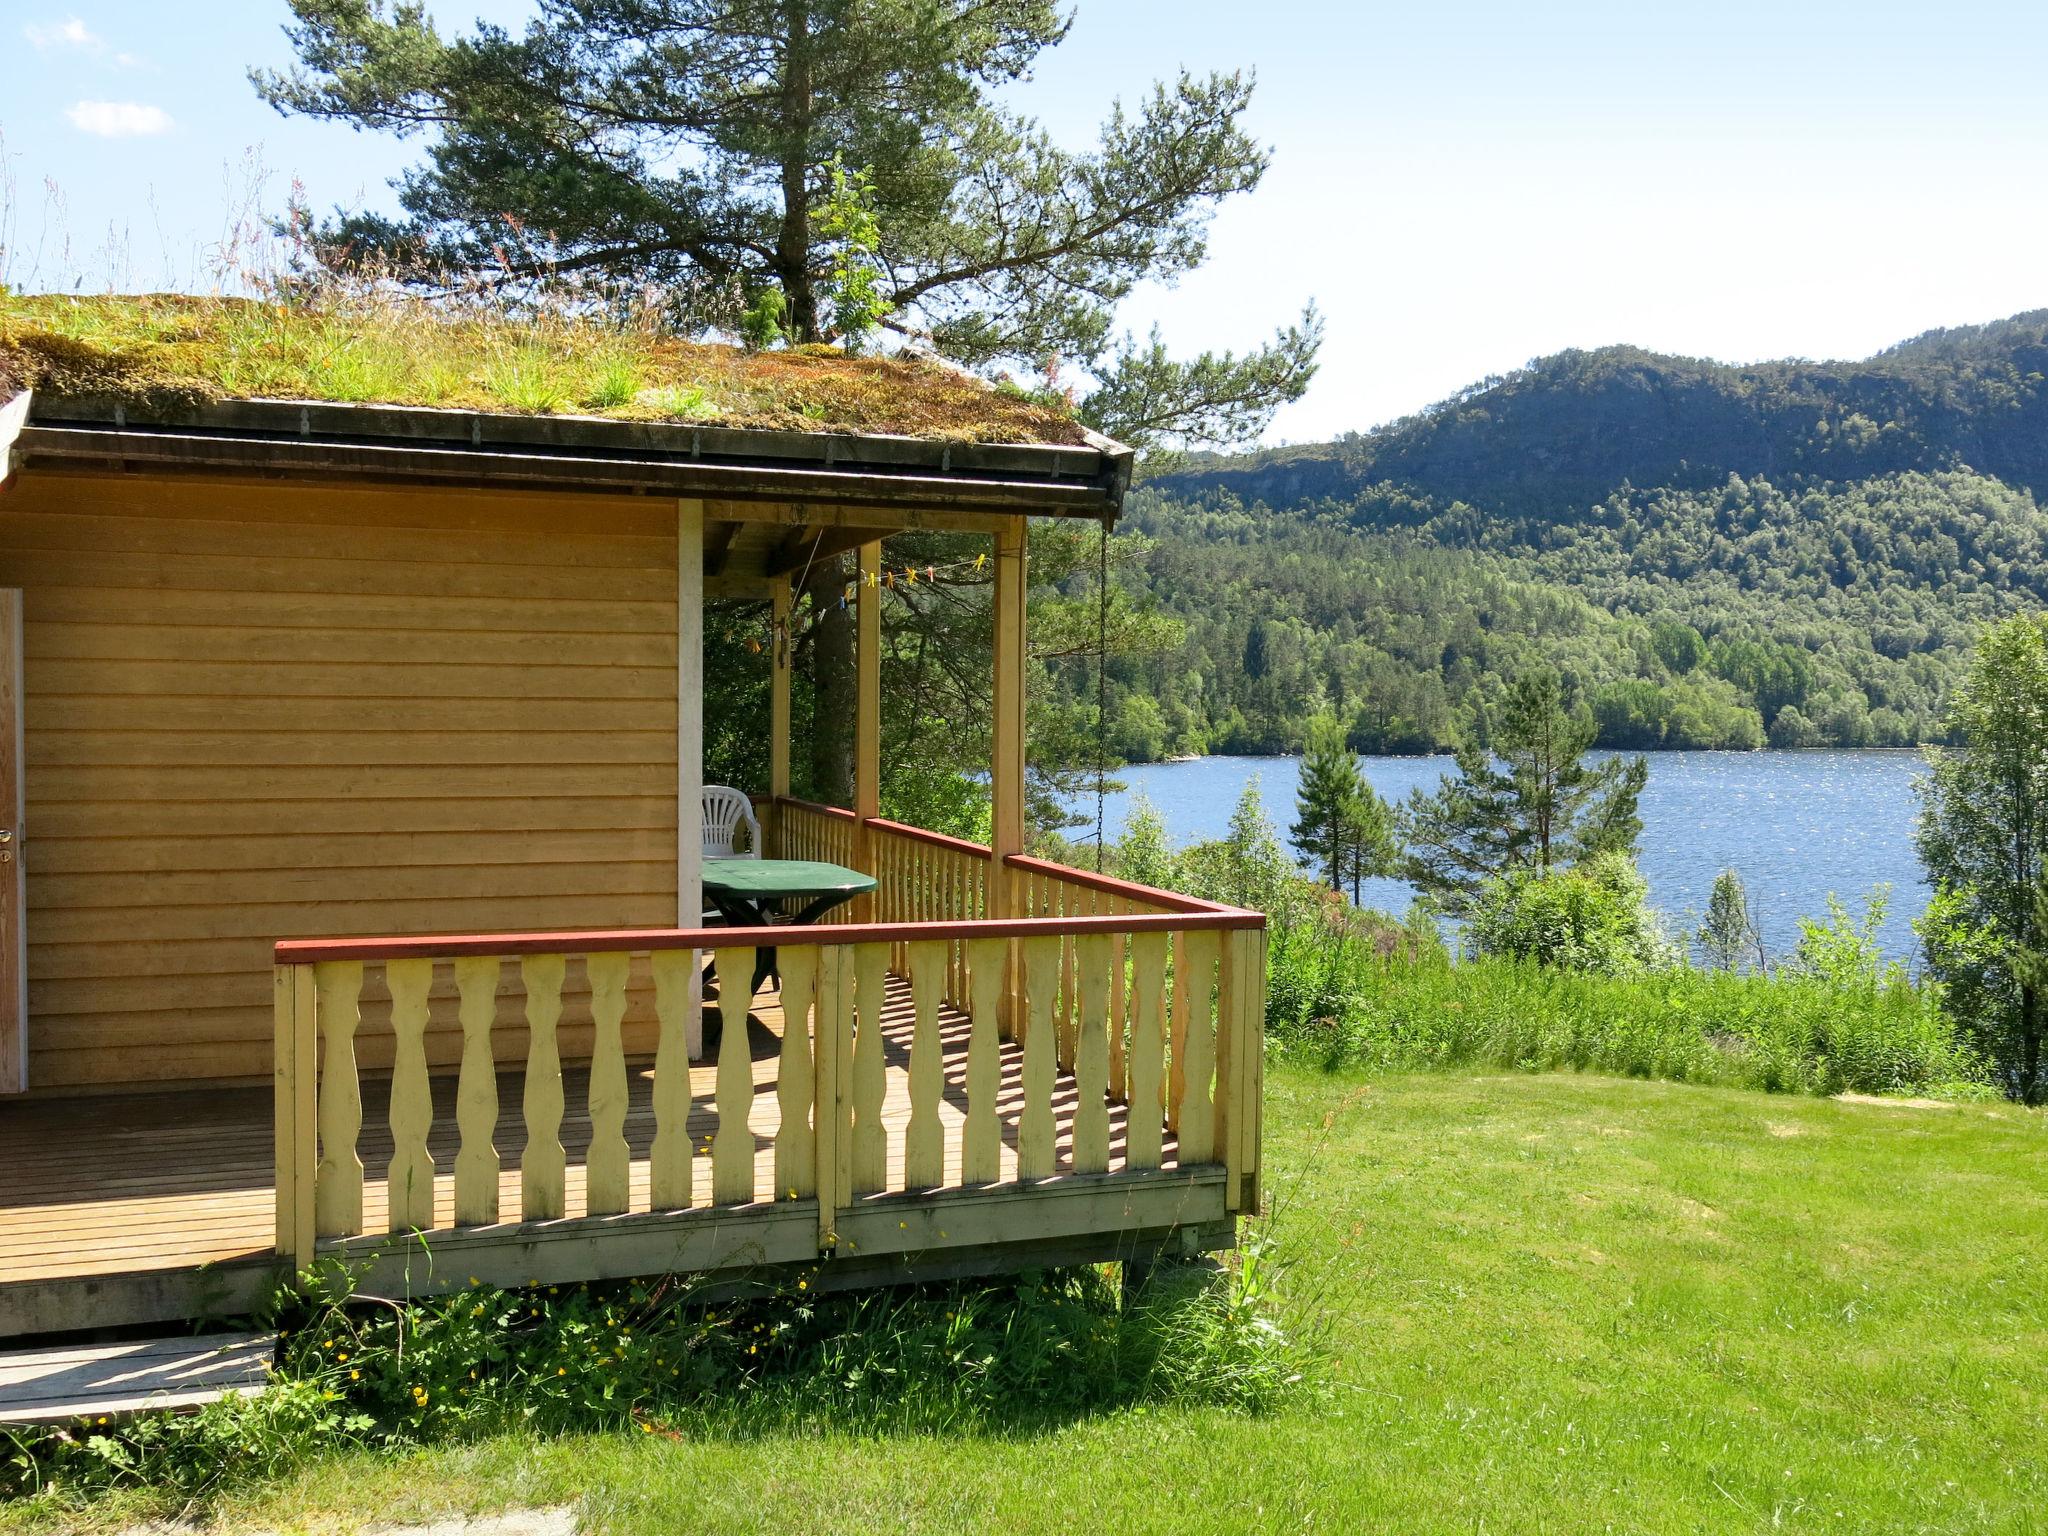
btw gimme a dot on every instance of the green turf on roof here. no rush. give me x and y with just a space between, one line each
157 349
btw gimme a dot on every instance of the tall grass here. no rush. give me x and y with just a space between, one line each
666 1357
1346 997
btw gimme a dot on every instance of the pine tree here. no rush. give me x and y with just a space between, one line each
810 170
1371 848
1329 805
1525 799
1729 936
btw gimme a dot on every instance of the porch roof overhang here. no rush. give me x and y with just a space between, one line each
570 453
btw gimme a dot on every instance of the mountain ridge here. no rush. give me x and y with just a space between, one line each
1570 428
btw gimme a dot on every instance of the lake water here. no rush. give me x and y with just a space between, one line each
1796 825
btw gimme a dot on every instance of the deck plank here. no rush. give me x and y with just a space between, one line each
84 1381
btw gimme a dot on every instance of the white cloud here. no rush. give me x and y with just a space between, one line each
119 119
62 34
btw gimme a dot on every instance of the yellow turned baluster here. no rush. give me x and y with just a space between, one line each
409 1184
1035 1126
981 1140
476 1095
924 1139
833 1039
543 1166
1148 1006
1174 1087
1119 1067
670 1169
870 1138
608 1167
796 1147
1067 904
732 1149
338 1183
956 983
1197 1112
1091 1054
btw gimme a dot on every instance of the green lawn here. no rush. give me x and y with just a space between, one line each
1546 1304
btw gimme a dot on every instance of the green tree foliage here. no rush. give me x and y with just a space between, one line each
860 158
1982 835
1524 798
1341 827
1594 917
1329 786
1144 853
1248 866
1849 610
1728 938
1371 850
1844 951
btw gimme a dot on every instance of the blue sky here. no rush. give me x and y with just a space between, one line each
1460 186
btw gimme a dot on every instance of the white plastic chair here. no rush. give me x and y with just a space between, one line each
725 809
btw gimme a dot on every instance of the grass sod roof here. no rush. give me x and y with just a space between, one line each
161 350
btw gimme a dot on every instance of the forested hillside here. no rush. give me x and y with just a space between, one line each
1791 553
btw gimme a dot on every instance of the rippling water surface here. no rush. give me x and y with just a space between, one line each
1797 825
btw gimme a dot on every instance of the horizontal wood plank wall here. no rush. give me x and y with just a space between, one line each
264 710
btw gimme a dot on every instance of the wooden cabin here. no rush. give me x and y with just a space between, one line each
350 903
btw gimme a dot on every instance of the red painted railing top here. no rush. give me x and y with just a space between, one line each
1173 901
455 946
1110 885
838 812
930 839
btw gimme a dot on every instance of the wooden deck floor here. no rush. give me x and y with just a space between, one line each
137 1184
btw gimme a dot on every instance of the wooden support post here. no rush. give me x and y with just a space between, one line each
778 711
295 1101
690 737
867 731
1006 767
832 1041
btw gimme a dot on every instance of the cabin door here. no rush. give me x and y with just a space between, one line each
13 933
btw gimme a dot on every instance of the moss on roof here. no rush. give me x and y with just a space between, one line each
161 349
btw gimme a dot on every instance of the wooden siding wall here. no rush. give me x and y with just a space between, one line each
264 710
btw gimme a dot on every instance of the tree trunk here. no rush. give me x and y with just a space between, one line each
793 240
2030 1044
834 679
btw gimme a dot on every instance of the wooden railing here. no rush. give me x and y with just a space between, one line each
1148 1017
806 831
1056 891
928 877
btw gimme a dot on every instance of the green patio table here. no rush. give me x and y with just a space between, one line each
749 893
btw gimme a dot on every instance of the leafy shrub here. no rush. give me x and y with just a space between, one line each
1593 917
